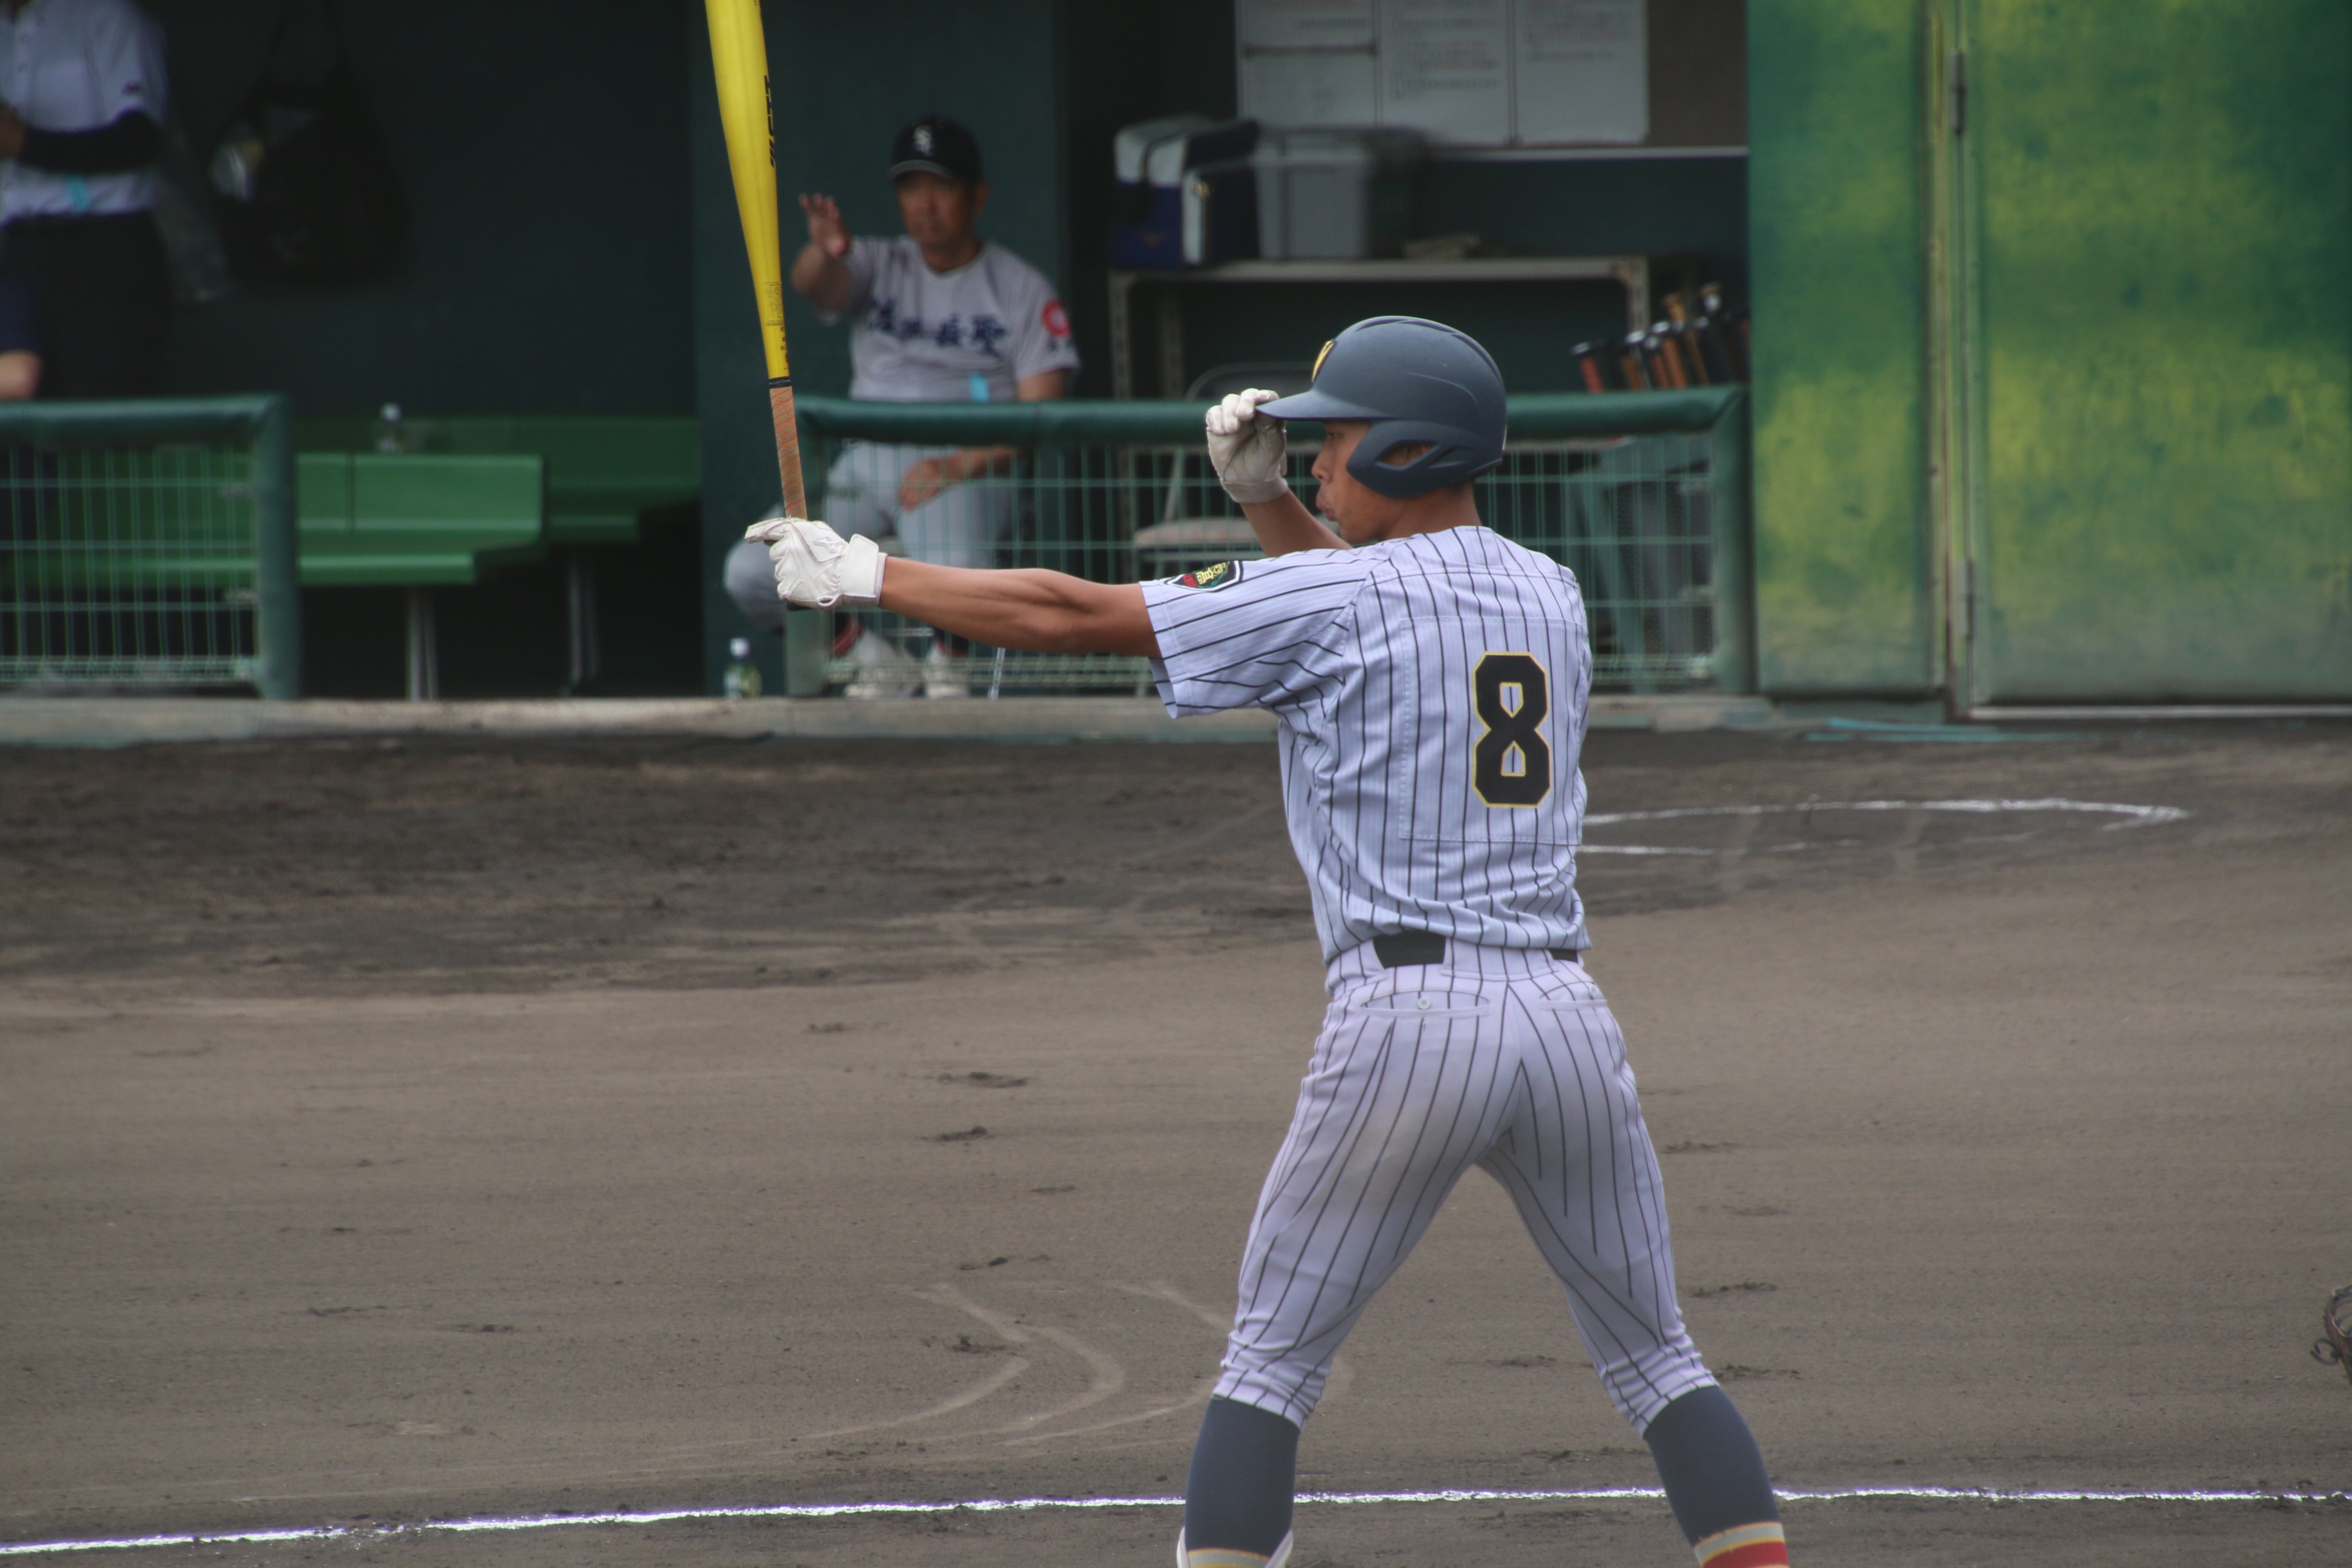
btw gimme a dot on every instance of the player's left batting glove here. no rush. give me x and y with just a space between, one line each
1247 450
817 568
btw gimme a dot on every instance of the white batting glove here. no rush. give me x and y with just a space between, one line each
815 567
1247 450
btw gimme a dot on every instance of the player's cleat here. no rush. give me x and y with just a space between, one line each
944 675
882 670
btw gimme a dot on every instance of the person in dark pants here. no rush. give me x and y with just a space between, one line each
81 107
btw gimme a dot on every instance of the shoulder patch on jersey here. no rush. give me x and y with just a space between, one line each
1218 575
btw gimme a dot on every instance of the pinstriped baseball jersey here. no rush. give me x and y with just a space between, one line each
1430 692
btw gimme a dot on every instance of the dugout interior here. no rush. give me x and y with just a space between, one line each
2053 393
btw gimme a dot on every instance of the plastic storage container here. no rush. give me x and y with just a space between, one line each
1334 195
1220 211
1152 159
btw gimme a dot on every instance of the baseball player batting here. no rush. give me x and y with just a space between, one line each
1430 681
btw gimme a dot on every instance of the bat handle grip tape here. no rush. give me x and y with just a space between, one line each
788 448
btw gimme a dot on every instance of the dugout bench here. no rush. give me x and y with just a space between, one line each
446 503
417 522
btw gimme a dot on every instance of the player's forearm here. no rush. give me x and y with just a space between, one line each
1284 524
1045 386
975 462
821 277
20 375
1036 611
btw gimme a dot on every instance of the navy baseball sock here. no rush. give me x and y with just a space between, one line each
1712 1472
1244 1468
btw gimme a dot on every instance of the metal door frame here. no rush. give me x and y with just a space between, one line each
1955 435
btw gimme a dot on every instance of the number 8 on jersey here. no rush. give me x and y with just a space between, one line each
1511 764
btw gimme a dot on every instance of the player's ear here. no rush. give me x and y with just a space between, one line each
978 197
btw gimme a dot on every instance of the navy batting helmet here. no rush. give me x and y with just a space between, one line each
1417 382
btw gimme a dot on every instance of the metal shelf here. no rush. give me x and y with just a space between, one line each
1633 273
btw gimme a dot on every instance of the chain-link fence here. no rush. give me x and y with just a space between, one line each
149 544
1642 495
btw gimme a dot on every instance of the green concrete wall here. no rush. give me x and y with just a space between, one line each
2149 398
541 148
1836 198
2163 223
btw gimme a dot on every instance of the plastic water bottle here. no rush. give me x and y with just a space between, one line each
389 436
742 677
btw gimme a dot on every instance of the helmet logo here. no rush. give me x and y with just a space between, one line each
1320 359
922 139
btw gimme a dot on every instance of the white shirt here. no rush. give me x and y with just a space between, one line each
1430 692
966 336
78 65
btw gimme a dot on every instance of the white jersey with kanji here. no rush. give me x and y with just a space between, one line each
1430 692
967 336
79 65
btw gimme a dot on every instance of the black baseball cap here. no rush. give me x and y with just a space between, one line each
936 145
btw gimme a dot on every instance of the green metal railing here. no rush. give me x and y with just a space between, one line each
149 543
1643 495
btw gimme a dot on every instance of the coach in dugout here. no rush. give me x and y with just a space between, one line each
938 315
82 108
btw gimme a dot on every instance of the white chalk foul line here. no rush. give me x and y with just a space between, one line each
1026 1505
2132 815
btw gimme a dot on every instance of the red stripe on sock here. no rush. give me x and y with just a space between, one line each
1755 1554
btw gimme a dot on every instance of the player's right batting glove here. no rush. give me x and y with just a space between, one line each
817 568
1247 450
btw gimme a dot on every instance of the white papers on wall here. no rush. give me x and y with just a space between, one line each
1583 70
1310 86
1304 25
1463 72
1446 68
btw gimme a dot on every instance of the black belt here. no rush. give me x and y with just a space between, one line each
46 223
1399 948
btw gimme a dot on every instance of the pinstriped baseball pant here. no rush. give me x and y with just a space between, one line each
1502 1058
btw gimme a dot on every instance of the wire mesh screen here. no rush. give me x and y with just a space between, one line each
1632 516
130 564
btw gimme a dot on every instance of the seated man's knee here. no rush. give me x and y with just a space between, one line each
750 579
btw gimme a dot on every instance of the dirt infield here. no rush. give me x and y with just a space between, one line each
410 1131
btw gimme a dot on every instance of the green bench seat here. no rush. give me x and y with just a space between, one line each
415 520
602 470
599 474
603 473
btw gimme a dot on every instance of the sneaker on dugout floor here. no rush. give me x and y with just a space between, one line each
882 670
945 675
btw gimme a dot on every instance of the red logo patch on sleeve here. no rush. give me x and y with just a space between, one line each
1057 320
1216 574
